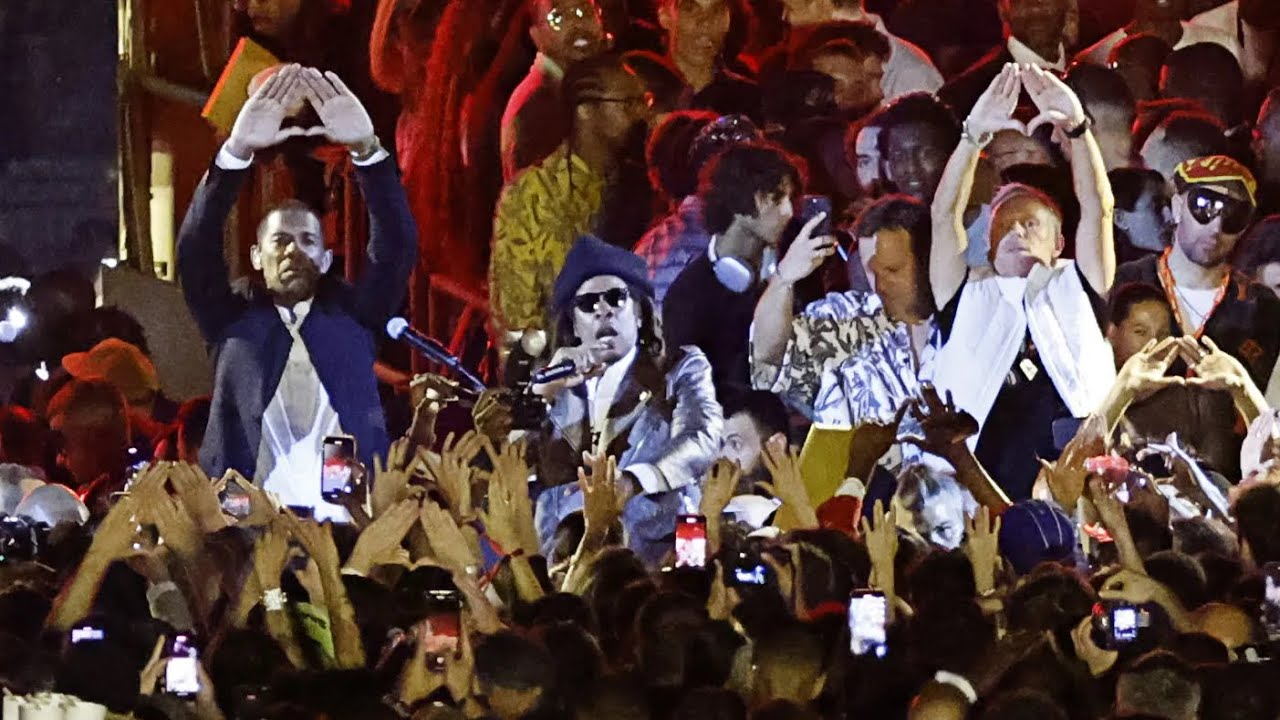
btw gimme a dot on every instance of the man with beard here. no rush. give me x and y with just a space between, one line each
651 407
852 358
1213 207
550 204
294 356
535 122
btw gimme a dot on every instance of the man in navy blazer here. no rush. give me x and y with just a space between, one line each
294 353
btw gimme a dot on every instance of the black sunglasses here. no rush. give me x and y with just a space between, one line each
1206 204
613 297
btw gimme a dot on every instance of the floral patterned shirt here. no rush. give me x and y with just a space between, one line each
847 363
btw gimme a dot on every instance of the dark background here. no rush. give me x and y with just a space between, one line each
58 139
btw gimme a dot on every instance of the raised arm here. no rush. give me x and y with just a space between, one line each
993 112
202 269
1095 246
393 236
771 326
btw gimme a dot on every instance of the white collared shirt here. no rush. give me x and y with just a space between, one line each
1026 56
294 426
601 392
908 68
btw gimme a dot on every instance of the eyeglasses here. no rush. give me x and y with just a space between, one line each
1205 205
613 297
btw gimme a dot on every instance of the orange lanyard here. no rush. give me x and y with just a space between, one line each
1171 294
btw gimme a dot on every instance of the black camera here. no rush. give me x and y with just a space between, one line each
20 538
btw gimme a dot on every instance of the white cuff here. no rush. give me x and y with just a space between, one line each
374 159
649 477
958 682
227 161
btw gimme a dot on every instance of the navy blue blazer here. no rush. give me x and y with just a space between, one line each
250 343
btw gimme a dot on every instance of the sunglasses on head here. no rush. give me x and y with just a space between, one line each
1206 204
613 297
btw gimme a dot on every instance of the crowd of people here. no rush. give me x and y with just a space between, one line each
840 367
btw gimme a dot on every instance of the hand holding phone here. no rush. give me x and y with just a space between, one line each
182 671
1117 623
868 624
691 541
337 472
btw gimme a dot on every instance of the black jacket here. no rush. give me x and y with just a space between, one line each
250 342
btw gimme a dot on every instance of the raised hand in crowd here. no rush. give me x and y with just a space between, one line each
982 547
380 543
719 486
994 110
1217 370
203 706
787 485
880 535
509 519
317 539
946 432
1065 479
452 472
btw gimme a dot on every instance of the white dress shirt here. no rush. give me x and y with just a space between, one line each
908 68
1026 56
294 427
602 391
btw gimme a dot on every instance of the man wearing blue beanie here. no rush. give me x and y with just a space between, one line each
651 407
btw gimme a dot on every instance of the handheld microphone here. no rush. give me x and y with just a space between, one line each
551 373
398 329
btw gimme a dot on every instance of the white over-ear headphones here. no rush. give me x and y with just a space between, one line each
737 275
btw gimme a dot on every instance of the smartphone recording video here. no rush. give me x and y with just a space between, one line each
691 541
1117 623
868 624
747 569
87 633
337 474
181 673
810 207
442 627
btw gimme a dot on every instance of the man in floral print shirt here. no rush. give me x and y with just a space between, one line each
852 358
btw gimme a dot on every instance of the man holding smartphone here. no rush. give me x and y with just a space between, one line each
295 351
747 195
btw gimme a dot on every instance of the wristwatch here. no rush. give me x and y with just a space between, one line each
1078 131
981 141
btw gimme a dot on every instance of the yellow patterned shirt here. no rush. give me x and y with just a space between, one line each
539 216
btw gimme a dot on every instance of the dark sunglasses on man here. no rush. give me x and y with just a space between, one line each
1206 204
613 297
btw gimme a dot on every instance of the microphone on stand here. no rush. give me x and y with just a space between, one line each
398 329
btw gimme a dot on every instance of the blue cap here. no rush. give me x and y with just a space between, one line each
1034 531
591 257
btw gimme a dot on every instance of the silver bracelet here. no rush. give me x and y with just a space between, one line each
980 141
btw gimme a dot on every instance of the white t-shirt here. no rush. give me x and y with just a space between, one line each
1196 304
